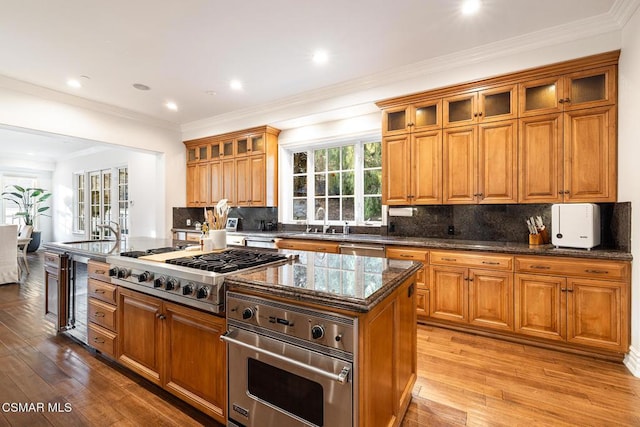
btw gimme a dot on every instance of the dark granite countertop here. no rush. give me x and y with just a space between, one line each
466 245
354 283
99 250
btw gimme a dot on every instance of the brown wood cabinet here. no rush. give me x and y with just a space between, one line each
309 245
388 358
241 167
56 286
579 302
102 310
175 347
544 135
422 276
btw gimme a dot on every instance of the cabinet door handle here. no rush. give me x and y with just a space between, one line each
490 262
161 316
541 267
597 271
98 314
569 290
563 289
480 114
98 340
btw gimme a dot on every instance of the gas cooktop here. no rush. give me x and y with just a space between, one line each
138 254
229 260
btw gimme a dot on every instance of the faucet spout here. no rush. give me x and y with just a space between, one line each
325 226
115 231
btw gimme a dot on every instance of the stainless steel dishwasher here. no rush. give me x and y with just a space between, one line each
362 249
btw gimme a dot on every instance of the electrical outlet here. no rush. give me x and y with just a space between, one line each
451 230
188 223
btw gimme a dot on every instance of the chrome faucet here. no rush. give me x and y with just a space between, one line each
114 231
325 226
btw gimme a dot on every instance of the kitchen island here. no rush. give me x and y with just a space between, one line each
374 297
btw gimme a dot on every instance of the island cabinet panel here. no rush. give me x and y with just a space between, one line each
309 245
193 340
388 358
56 286
140 334
175 347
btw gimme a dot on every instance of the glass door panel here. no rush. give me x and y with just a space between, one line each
227 148
191 155
242 146
497 104
203 153
592 88
460 110
215 151
427 116
257 144
541 97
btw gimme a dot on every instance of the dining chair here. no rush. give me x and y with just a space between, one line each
24 237
8 259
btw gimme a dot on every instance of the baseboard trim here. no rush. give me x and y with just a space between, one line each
632 361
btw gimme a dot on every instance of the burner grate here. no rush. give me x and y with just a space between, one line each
228 261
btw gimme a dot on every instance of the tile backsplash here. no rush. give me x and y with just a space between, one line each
250 219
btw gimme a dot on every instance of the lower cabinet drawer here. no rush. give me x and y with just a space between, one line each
103 291
102 339
102 314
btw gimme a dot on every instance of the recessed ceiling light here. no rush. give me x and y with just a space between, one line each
235 85
74 83
469 7
171 106
320 57
140 86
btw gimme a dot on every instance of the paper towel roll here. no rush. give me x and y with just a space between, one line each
400 211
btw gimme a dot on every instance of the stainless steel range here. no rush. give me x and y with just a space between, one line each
196 281
289 366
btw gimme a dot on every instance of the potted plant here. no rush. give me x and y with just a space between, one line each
29 201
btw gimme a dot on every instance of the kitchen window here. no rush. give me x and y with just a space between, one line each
95 204
10 209
343 181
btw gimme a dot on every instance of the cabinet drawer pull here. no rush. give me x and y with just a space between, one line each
541 267
98 340
99 291
597 271
406 256
100 271
449 259
321 249
98 314
491 262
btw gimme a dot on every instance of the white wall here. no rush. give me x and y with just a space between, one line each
145 219
30 107
628 158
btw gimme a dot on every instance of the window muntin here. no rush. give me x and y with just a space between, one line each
344 181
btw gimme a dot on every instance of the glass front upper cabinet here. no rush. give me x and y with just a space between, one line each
421 116
197 153
253 144
498 103
584 89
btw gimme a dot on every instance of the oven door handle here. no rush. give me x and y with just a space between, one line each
340 378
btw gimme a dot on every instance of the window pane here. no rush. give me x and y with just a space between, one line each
320 203
373 209
348 209
334 159
348 160
300 162
300 186
373 181
334 209
334 184
320 157
372 155
300 209
348 185
321 184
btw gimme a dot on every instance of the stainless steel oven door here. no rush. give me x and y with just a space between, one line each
273 383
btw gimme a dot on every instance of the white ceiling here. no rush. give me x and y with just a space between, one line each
185 49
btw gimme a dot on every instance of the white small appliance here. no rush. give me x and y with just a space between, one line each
575 225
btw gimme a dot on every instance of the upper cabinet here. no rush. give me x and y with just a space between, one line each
241 167
489 105
582 89
543 135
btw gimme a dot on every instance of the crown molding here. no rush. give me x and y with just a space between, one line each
590 27
623 10
77 101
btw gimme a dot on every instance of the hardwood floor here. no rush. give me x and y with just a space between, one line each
463 380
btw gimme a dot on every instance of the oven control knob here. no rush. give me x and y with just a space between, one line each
113 272
171 284
123 273
159 282
202 293
248 313
317 332
187 289
145 277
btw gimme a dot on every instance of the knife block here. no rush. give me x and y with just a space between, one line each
536 239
